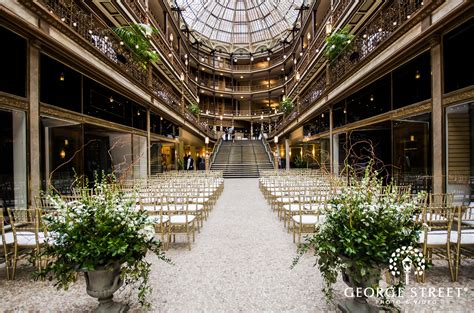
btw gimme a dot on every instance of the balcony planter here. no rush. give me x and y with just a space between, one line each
194 109
337 42
137 38
286 106
101 284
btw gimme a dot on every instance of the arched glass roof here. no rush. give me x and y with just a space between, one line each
240 24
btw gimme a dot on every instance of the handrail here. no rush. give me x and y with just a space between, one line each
267 150
215 150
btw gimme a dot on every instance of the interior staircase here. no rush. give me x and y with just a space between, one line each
241 159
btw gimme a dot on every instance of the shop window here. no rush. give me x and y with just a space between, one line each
62 145
59 84
339 114
369 101
458 60
412 152
13 63
412 81
317 125
459 146
13 179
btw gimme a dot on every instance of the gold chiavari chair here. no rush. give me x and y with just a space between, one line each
308 217
437 220
462 238
6 243
181 222
151 204
27 235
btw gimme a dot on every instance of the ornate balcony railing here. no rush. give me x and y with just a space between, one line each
226 88
86 29
372 36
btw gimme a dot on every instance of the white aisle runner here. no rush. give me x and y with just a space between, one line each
240 262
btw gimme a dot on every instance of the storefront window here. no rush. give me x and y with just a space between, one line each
412 152
13 63
458 61
59 84
460 143
62 145
13 169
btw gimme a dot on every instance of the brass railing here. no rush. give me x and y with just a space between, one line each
388 20
94 34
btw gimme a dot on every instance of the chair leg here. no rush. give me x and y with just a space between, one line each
15 260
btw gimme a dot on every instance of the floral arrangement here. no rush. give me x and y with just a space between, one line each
364 227
286 105
97 231
337 42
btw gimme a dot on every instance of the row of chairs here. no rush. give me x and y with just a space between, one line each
301 199
177 203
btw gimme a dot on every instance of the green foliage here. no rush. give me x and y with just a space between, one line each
180 164
97 231
363 228
337 42
136 37
300 162
286 105
194 109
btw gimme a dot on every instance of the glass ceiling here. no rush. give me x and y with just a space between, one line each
237 24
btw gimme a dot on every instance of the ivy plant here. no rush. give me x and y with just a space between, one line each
194 108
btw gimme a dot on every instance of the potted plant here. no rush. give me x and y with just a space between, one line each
286 105
360 236
103 235
137 38
338 41
194 109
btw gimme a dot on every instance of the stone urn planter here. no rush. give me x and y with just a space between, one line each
101 284
358 303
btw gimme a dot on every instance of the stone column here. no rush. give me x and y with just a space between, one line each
287 154
437 117
34 125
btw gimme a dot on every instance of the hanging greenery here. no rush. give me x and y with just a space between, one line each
337 42
286 105
194 108
136 38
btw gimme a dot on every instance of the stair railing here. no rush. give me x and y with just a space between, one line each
268 150
215 150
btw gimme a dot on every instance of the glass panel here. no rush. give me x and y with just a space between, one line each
59 85
412 81
13 63
140 157
460 142
157 163
62 144
412 152
13 179
458 60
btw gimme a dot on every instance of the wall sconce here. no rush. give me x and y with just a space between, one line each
181 77
61 77
275 139
66 142
308 36
268 59
417 75
221 117
62 154
298 75
412 138
251 58
206 140
171 37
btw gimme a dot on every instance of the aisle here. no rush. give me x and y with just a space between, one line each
240 262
